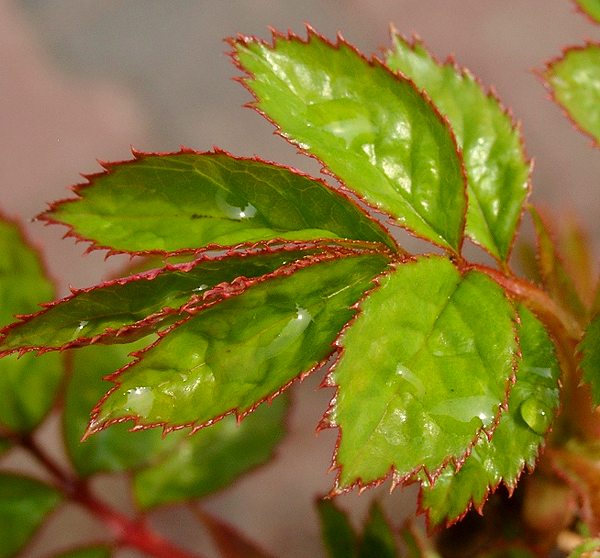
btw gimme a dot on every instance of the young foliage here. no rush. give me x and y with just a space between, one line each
591 8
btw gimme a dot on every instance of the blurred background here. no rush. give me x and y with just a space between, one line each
82 80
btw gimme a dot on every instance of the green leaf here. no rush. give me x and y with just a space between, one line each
336 531
4 444
516 442
210 459
590 362
189 200
118 310
27 385
115 449
373 130
439 371
491 144
575 83
24 505
87 552
590 7
377 539
233 355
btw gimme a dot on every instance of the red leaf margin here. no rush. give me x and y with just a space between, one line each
411 477
228 290
541 75
373 62
109 167
489 92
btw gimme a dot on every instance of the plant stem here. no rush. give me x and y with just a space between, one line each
127 532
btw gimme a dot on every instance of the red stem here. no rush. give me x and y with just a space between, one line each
128 532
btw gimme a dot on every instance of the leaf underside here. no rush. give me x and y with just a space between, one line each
24 505
575 83
231 356
439 348
373 130
590 362
121 309
516 442
491 145
189 200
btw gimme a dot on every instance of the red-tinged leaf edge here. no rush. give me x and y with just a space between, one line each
374 61
144 326
578 8
490 92
228 290
411 477
228 539
541 75
109 167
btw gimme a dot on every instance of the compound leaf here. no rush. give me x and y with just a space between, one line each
27 385
497 170
440 350
337 532
574 80
189 200
211 459
590 363
591 8
24 504
373 130
516 442
135 306
231 356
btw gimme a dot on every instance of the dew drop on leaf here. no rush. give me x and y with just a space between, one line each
536 415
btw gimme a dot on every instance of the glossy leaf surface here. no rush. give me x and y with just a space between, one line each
439 348
377 538
516 442
27 385
114 449
373 130
337 532
211 459
590 363
88 552
24 504
591 8
189 200
145 301
232 356
575 82
491 145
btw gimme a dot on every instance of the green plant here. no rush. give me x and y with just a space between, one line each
448 372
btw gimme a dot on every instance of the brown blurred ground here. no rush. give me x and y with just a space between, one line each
83 79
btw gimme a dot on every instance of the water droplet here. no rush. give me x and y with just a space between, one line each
536 415
139 401
81 325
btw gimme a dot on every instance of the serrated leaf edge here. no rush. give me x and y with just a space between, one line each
374 61
542 76
109 167
491 93
578 8
409 478
287 270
